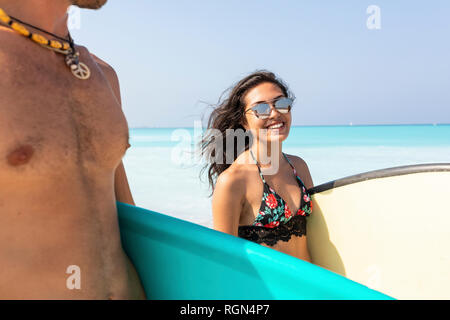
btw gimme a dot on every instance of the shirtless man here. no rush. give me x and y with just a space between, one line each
61 146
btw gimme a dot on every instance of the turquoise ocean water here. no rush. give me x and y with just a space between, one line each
163 171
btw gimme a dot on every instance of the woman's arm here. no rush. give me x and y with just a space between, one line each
303 171
227 202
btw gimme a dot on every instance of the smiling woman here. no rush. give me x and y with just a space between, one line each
245 202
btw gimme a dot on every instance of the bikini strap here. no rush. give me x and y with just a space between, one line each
257 165
293 168
285 156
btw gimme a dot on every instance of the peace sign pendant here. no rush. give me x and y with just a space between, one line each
80 70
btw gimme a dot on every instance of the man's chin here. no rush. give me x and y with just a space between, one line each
89 4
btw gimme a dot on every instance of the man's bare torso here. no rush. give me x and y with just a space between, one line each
61 140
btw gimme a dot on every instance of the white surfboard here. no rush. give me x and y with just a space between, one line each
386 229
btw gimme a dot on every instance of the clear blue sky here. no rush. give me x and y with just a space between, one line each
171 55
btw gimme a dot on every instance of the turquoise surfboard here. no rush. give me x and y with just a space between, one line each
176 259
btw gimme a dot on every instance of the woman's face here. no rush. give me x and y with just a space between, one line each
265 93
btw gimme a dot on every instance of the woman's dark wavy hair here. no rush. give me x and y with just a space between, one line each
229 114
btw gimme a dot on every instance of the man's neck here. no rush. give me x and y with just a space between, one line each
49 15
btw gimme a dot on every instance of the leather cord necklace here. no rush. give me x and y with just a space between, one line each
63 46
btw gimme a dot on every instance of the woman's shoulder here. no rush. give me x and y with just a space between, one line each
237 174
302 169
296 160
229 191
229 181
233 176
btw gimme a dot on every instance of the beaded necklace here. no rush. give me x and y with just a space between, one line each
67 48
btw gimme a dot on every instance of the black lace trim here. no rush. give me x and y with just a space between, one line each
270 236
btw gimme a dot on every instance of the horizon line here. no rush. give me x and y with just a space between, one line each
318 125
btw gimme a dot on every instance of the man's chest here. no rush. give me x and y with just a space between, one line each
62 124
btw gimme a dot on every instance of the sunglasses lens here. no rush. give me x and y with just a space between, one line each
262 110
283 105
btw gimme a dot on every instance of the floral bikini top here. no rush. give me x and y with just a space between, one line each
275 220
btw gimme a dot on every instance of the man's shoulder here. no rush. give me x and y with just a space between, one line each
106 68
109 73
